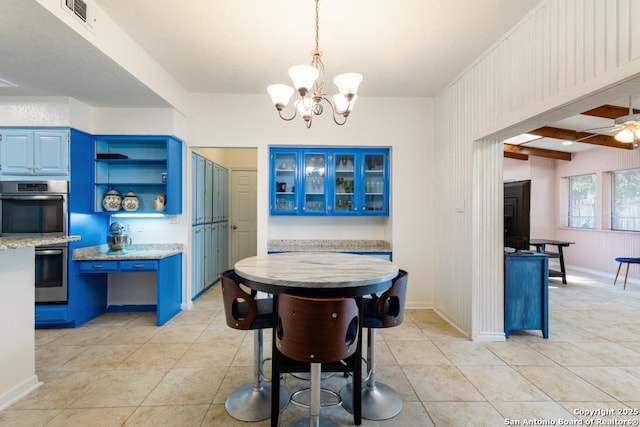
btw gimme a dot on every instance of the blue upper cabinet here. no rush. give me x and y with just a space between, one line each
34 153
329 181
148 166
284 177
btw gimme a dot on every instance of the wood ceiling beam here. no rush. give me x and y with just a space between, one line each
584 137
539 152
517 156
609 111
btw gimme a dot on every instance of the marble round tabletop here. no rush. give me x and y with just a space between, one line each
317 273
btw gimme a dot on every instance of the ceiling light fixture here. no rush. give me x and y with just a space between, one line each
308 81
629 126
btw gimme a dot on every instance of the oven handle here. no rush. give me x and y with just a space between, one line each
48 252
31 197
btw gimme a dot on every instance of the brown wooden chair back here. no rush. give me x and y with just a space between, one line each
390 305
240 307
317 330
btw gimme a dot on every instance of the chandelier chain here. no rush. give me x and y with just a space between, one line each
317 26
316 61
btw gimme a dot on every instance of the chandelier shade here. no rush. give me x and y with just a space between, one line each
280 95
308 82
303 77
348 83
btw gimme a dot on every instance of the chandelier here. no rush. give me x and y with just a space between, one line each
308 81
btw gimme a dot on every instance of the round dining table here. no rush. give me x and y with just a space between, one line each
318 275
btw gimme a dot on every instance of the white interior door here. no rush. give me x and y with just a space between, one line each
244 212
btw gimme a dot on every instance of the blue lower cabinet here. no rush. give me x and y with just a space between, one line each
52 314
87 267
526 293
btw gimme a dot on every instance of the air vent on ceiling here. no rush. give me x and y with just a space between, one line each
79 7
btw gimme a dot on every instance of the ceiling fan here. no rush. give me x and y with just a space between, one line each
627 128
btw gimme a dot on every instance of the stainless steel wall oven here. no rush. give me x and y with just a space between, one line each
39 208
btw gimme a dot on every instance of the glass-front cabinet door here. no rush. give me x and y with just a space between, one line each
314 183
374 185
344 195
283 182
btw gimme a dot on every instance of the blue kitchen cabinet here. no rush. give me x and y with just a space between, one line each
526 293
145 165
299 182
209 190
199 189
221 194
209 221
283 180
34 153
197 259
210 254
223 246
87 293
329 181
373 189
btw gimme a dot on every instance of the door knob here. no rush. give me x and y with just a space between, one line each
234 227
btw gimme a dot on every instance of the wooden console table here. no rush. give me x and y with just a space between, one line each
540 245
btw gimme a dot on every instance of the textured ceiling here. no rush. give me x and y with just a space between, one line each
403 48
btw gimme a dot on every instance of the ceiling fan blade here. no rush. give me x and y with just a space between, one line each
586 137
596 129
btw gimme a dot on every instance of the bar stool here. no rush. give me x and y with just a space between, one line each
249 402
628 261
379 401
316 331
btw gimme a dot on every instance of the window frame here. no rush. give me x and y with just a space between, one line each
570 218
614 219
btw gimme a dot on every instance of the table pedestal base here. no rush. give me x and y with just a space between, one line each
252 403
379 402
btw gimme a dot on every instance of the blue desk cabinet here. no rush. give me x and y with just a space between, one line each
526 294
146 165
34 153
329 181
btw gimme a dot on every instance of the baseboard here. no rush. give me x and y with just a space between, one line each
19 391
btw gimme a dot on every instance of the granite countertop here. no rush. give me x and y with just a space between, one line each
328 246
139 251
26 241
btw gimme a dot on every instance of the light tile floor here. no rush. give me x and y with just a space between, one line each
121 370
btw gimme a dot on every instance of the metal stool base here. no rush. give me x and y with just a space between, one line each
304 422
379 402
251 403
